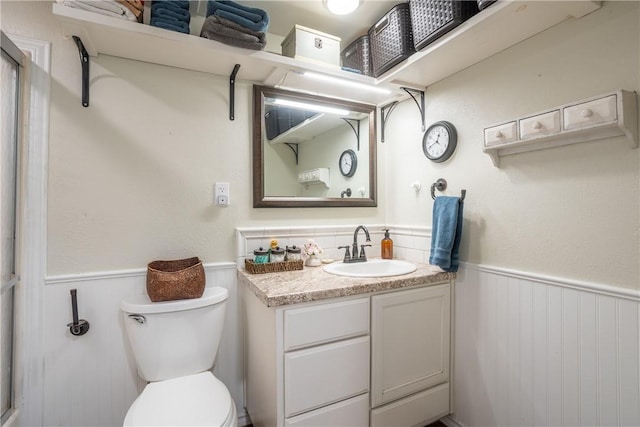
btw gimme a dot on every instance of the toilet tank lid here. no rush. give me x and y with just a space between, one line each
142 304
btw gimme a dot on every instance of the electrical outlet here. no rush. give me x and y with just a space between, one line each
222 194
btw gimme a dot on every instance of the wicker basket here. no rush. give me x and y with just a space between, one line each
272 267
357 56
391 39
177 279
430 19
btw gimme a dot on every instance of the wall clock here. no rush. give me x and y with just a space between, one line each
348 163
439 141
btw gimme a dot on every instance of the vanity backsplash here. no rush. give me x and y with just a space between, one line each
411 243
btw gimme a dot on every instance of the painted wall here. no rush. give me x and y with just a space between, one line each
131 177
572 211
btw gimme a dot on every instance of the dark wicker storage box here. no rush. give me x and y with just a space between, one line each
391 40
278 120
430 19
175 279
357 56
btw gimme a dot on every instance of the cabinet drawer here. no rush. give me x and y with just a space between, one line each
324 323
590 113
353 412
418 409
326 374
500 134
540 125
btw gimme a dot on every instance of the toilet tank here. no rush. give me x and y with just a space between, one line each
171 339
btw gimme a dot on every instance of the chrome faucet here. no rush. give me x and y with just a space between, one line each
355 256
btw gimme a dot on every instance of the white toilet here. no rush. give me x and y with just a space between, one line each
175 344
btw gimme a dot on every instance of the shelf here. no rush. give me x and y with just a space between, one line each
501 25
624 122
496 28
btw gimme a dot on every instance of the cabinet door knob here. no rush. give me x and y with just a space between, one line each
536 125
499 135
587 113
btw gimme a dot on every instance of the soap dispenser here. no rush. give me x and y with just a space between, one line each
386 245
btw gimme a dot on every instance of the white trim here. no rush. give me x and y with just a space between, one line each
450 422
30 290
118 274
597 288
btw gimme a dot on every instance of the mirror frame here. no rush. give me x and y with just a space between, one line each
260 200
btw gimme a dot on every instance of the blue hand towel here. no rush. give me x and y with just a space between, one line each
179 26
249 17
446 233
183 4
160 11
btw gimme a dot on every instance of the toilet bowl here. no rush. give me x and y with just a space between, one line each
174 344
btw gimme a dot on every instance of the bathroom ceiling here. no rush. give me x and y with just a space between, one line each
284 14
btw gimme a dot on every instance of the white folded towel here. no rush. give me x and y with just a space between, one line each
103 7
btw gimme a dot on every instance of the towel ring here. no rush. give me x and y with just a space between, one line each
441 185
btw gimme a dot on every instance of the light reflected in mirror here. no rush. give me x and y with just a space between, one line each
311 151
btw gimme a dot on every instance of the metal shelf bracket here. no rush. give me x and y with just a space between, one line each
232 91
84 61
294 147
355 126
386 110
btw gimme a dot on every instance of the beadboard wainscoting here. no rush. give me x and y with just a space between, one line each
542 351
91 380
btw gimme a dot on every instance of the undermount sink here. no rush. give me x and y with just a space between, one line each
371 268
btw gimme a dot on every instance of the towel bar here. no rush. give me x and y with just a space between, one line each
441 185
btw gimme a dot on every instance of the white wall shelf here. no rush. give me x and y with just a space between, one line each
494 29
605 116
315 176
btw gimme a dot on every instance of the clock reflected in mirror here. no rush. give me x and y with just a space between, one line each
439 141
348 163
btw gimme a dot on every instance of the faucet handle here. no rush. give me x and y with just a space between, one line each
362 253
347 255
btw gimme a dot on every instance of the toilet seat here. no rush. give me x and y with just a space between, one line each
192 400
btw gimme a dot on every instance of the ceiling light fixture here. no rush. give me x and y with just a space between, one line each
341 7
349 83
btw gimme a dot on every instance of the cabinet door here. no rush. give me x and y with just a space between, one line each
410 334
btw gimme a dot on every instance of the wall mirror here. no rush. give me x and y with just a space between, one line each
312 151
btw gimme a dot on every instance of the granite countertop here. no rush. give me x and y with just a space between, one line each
314 284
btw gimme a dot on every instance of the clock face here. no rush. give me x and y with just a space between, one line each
439 141
348 163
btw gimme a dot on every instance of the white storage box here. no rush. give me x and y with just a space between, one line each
305 43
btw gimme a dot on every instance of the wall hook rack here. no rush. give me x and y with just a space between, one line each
386 110
441 185
232 91
355 126
84 61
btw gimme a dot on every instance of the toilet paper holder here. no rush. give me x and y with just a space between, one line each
78 326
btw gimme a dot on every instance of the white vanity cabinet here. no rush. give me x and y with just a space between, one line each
373 359
307 364
410 349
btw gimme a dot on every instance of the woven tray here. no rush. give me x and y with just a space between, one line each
272 267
